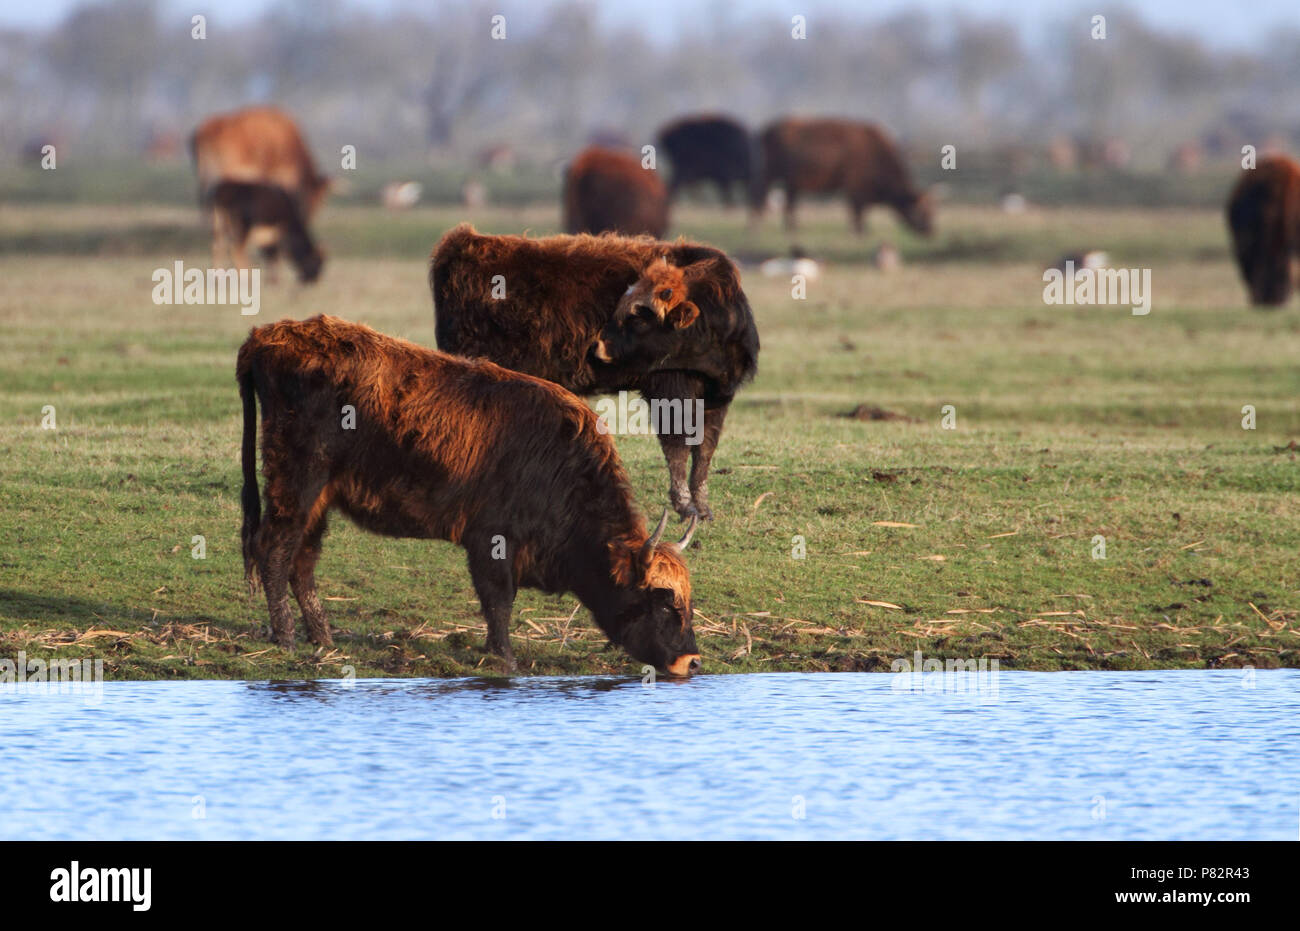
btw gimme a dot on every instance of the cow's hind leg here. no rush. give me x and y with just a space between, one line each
303 581
701 456
856 211
278 541
679 492
491 568
295 505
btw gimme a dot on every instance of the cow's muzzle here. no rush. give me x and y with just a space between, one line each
688 664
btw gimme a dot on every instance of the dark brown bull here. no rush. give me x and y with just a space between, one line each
1264 218
608 191
826 156
708 148
512 468
239 208
605 313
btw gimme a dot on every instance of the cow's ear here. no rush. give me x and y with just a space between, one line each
683 315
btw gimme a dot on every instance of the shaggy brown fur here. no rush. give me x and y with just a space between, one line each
510 467
825 156
237 208
607 191
590 313
1264 218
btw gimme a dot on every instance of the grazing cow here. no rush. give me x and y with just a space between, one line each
261 145
603 313
1264 217
608 191
239 208
708 148
257 145
510 467
825 156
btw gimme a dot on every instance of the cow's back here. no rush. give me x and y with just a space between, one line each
708 146
608 191
823 156
809 155
438 444
259 145
534 306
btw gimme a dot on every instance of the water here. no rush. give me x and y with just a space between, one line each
1091 755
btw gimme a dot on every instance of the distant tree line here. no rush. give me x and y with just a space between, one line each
125 78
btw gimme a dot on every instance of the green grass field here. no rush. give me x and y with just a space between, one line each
1071 423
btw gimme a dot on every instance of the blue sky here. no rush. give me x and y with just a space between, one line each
1218 22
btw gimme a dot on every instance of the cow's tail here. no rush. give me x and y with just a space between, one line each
250 497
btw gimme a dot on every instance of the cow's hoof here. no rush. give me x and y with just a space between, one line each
503 658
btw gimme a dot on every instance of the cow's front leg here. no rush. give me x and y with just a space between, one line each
492 570
701 456
679 492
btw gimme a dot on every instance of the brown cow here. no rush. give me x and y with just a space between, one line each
826 156
510 467
261 145
239 208
608 191
598 314
257 145
1264 218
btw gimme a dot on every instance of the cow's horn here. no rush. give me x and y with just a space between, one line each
648 551
659 532
685 541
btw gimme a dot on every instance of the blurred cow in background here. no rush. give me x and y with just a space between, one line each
708 148
1264 218
826 156
608 191
263 146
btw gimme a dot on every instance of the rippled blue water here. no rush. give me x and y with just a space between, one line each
1151 755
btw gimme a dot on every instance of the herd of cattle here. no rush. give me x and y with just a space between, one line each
605 189
485 443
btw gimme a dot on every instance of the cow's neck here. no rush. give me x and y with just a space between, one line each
594 581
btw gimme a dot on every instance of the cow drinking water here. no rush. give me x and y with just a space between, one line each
512 468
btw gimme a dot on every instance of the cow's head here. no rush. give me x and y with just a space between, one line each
307 258
648 317
656 625
918 213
